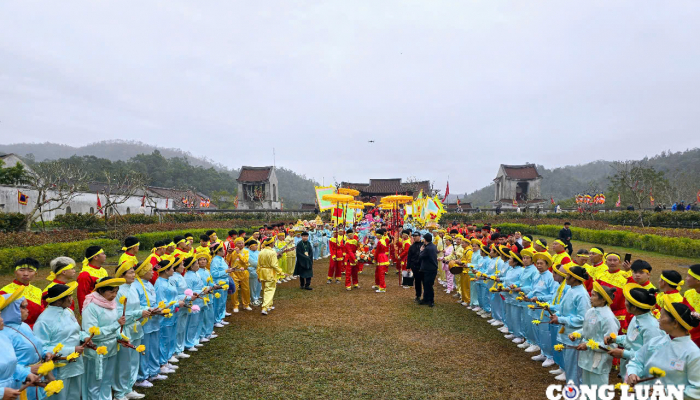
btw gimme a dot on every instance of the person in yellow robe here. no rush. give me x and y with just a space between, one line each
268 273
238 260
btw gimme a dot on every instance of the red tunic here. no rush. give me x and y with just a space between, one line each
87 279
380 252
350 252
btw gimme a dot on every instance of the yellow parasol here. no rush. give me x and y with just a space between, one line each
369 204
350 192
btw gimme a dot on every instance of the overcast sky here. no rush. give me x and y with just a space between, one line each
442 87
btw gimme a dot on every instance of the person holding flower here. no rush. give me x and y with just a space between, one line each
101 319
199 290
641 328
149 367
553 308
497 300
219 273
166 295
28 348
61 334
12 374
524 338
129 305
181 315
207 331
672 357
511 310
543 289
595 363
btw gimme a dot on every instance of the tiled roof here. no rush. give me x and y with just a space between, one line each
254 174
527 171
388 186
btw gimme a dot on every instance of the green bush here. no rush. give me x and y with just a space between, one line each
45 253
11 222
682 247
79 221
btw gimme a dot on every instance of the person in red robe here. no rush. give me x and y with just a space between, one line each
691 297
92 272
381 257
615 277
155 257
25 271
337 253
350 261
62 272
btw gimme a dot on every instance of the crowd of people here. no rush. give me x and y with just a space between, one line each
579 314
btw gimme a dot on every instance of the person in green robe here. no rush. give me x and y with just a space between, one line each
304 266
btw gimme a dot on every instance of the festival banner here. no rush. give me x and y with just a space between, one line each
22 198
324 205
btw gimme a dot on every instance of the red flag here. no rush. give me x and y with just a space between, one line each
143 201
22 198
619 201
166 202
338 212
698 196
458 203
99 203
447 192
551 199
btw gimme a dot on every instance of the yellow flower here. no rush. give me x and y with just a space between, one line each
72 356
210 280
225 287
53 387
500 285
58 348
657 372
222 282
592 344
492 290
558 347
141 349
510 292
618 386
217 295
161 304
613 336
519 298
102 350
122 300
124 337
536 322
531 306
45 368
492 277
94 330
189 310
172 303
576 335
166 311
60 365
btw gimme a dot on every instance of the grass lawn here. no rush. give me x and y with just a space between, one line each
333 344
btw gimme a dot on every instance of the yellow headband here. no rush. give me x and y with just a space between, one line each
187 266
86 261
558 272
540 243
15 295
693 274
567 268
25 266
681 283
133 245
114 282
560 242
599 289
526 239
612 254
180 241
595 251
268 242
53 275
239 240
71 288
626 292
668 306
218 247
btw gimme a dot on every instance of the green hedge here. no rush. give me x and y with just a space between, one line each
666 218
682 247
44 254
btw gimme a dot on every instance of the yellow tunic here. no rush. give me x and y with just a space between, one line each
268 267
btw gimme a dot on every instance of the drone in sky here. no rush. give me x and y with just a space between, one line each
370 141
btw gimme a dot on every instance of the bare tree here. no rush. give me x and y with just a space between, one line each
637 183
118 188
56 184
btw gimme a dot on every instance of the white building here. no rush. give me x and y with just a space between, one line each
517 186
258 189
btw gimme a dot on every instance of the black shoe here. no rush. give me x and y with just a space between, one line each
431 304
422 302
301 287
309 288
417 300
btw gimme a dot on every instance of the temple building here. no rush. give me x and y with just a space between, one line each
517 186
258 188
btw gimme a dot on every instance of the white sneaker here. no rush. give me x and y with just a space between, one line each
524 345
264 312
235 310
509 336
144 384
192 349
272 307
556 371
504 329
225 322
498 323
203 340
166 370
248 308
170 366
198 345
158 377
561 377
173 360
491 321
213 336
477 308
494 323
548 363
539 357
466 305
485 315
183 355
135 395
519 340
228 314
533 348
219 325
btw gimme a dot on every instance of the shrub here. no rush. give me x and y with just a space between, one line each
676 246
78 221
11 222
45 253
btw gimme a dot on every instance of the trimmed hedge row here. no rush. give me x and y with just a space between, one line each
76 250
682 247
45 253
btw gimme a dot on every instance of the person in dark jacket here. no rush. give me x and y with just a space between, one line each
565 236
428 267
413 263
304 267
